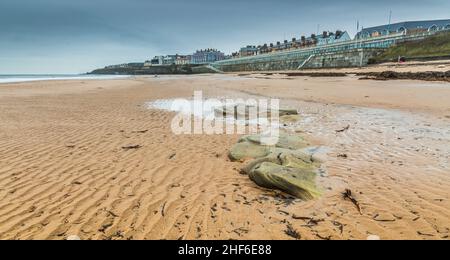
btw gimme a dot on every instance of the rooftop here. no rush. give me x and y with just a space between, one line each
408 26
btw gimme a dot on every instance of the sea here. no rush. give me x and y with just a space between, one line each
26 78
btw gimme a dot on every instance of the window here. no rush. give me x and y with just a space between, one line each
433 28
402 30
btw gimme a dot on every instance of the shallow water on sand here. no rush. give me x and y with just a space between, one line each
208 110
378 134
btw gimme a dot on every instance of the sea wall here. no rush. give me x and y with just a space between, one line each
203 70
274 62
343 59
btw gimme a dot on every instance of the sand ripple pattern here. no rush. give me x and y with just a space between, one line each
63 170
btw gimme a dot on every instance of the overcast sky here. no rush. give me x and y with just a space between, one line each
62 36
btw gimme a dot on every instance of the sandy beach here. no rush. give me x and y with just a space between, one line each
64 170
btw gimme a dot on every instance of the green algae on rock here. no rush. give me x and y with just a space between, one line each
248 150
286 141
297 182
286 166
243 111
293 118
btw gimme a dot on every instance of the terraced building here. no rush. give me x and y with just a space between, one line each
412 27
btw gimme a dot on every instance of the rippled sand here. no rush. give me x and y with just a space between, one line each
63 169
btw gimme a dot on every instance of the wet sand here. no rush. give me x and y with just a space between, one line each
63 169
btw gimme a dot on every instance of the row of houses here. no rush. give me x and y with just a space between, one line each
412 27
199 57
169 60
314 40
406 28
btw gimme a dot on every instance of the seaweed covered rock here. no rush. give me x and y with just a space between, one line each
251 147
297 182
286 141
245 112
294 159
287 112
289 118
286 166
248 150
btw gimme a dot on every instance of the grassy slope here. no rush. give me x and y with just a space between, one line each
437 45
